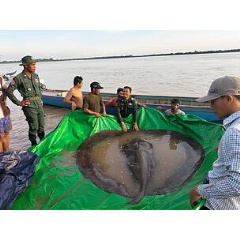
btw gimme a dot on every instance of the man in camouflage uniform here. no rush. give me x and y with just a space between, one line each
28 84
127 105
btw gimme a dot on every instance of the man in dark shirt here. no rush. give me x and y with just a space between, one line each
28 84
92 102
125 106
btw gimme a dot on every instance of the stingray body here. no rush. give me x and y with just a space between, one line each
136 164
141 163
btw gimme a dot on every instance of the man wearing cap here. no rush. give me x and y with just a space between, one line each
92 102
221 188
28 84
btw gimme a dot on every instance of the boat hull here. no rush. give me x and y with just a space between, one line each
189 104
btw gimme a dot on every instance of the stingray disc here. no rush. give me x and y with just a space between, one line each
136 164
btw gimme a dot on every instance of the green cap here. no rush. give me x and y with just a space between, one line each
27 60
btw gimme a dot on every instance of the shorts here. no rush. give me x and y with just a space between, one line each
5 125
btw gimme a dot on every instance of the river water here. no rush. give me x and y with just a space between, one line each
182 75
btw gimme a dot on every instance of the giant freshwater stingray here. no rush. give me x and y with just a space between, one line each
137 164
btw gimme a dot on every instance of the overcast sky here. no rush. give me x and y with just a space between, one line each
91 28
82 43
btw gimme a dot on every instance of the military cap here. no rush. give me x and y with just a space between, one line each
27 60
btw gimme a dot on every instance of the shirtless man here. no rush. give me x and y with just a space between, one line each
175 104
74 95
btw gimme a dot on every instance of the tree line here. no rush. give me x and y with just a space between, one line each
131 56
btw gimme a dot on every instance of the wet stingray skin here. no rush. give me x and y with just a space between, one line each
137 164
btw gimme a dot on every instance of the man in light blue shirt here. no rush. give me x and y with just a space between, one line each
222 191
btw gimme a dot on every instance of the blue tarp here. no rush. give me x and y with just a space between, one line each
16 169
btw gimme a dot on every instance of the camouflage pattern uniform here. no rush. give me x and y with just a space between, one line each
125 107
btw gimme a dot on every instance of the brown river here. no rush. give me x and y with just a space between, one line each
19 133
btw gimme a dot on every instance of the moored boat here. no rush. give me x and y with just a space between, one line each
9 76
188 104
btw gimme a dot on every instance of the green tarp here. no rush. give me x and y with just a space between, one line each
58 183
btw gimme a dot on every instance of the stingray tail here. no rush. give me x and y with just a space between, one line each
138 198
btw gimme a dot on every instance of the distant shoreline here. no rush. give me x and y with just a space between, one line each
131 56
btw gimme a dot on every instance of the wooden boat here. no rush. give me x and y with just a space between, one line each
188 104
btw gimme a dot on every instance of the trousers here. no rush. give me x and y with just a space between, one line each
35 119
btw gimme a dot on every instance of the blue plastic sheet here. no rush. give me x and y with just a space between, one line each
16 169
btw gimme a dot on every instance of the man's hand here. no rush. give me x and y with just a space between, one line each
24 103
74 105
135 127
124 128
194 196
97 115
